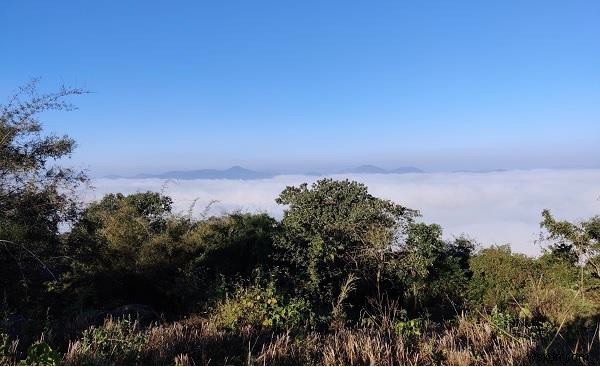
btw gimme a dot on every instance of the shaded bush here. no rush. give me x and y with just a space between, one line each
131 249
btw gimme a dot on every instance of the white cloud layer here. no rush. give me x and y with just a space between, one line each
492 208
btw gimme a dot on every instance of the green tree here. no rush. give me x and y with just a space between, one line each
436 272
574 257
334 229
36 194
132 249
501 277
108 249
575 242
118 226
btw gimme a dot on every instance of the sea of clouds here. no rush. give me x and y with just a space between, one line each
492 208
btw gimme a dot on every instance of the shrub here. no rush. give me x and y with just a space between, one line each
41 354
334 229
115 342
547 288
502 320
500 277
408 329
259 308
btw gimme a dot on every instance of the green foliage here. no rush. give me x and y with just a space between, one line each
36 196
501 320
500 277
135 239
257 307
546 288
408 329
38 354
435 271
116 342
41 354
118 226
233 245
576 242
331 230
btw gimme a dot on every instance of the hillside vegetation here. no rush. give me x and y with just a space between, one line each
343 278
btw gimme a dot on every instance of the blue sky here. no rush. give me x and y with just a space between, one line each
296 85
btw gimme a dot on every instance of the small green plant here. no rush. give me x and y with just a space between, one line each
525 312
541 330
502 320
407 329
41 354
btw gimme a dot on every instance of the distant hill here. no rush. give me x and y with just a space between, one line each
233 173
365 169
241 173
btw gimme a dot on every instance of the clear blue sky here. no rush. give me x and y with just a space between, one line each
300 85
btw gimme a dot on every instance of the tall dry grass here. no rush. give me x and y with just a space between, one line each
466 341
463 344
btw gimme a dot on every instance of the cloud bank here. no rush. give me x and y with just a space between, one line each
492 208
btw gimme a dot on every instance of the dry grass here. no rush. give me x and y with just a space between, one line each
8 350
195 341
463 344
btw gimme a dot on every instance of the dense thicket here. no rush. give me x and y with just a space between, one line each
344 277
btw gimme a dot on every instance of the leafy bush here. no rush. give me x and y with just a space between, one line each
408 329
334 229
500 277
546 288
435 273
258 307
41 354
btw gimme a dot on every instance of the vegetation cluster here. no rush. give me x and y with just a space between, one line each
343 278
